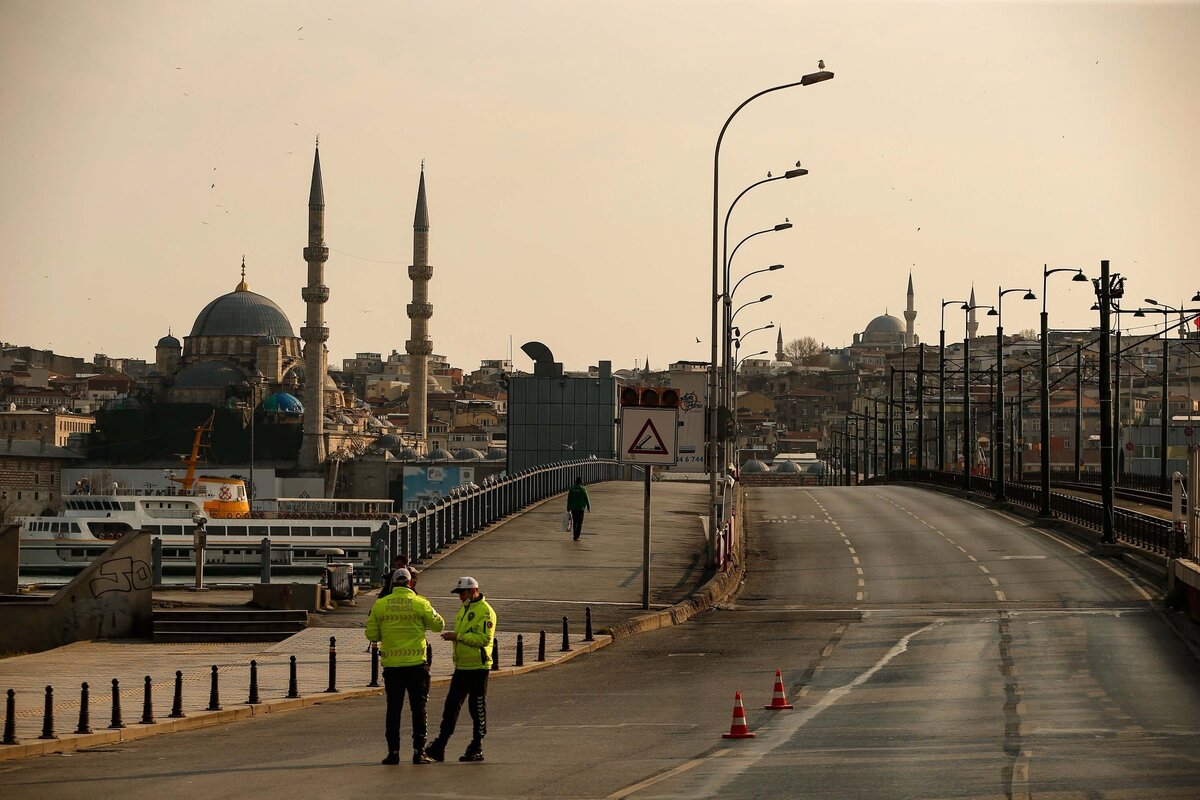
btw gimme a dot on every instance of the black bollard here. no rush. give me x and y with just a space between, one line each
495 655
253 699
566 645
85 723
587 624
10 721
48 716
293 684
147 704
520 662
116 706
542 646
332 665
374 664
214 692
177 703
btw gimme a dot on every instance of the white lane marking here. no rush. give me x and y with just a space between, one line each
1019 786
993 581
854 559
961 549
851 551
1145 595
755 750
983 569
858 570
861 582
1001 597
858 596
973 558
662 776
1022 558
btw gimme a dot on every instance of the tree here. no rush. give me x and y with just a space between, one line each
1029 334
798 351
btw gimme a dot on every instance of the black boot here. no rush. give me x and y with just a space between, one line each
474 752
437 750
421 757
393 757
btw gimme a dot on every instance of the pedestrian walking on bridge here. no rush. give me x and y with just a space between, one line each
578 503
473 634
399 621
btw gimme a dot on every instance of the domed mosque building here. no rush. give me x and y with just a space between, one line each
888 334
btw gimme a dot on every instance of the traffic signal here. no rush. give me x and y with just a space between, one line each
649 397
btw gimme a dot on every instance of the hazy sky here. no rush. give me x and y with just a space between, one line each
568 150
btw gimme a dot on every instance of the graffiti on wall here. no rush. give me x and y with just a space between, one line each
122 575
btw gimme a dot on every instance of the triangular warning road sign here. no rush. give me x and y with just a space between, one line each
648 442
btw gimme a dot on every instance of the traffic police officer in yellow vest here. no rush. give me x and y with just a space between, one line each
399 621
473 634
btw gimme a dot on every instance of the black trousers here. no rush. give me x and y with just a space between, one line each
577 521
466 685
396 682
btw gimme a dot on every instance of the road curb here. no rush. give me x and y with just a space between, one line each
715 591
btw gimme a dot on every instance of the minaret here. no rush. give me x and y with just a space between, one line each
419 311
779 346
910 317
972 324
314 333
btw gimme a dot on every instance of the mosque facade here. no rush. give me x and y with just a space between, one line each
889 334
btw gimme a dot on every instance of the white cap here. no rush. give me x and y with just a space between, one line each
464 583
401 577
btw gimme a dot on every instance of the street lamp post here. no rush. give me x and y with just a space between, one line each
891 416
942 386
806 80
1164 481
1109 287
1044 499
998 417
921 407
969 439
1078 415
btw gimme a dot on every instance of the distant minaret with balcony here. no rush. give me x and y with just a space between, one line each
420 310
315 333
779 356
972 323
910 317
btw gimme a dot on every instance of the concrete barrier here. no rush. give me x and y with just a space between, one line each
10 559
110 599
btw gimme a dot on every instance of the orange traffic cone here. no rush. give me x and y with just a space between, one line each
779 699
738 729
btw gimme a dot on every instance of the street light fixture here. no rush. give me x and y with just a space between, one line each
1164 484
806 80
998 414
969 438
1044 499
762 299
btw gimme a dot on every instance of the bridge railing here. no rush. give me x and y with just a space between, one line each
1140 530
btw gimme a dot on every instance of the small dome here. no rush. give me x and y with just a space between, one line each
754 466
268 340
169 341
496 454
283 403
407 454
209 375
789 467
817 468
389 441
885 323
468 454
440 454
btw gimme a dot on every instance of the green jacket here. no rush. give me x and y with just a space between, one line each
399 622
577 498
475 627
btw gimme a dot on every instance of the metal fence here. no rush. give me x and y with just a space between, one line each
1141 530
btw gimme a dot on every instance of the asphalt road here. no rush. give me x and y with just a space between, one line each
932 648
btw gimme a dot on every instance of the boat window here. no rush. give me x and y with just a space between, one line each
218 530
362 531
321 530
237 530
279 530
301 530
341 530
172 530
127 506
74 527
258 531
154 530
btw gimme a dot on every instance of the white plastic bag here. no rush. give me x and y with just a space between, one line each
566 522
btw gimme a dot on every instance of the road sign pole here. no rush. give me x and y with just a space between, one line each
646 543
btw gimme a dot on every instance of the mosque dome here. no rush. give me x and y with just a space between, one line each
169 341
496 454
407 454
885 323
468 454
817 468
389 441
754 466
789 467
440 454
242 313
283 403
209 375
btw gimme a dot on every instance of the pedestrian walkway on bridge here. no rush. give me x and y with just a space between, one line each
530 570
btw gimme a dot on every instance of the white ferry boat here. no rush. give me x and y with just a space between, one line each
91 520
